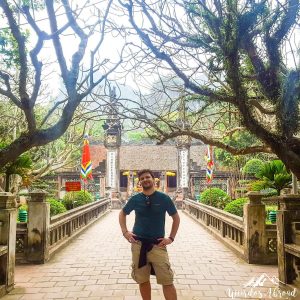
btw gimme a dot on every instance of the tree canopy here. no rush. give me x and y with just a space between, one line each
236 63
239 54
38 48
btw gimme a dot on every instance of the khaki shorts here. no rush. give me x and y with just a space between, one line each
159 259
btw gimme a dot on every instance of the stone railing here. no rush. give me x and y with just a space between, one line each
65 226
39 239
21 242
224 226
288 230
8 220
249 237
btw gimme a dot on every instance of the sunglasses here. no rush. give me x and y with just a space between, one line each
148 201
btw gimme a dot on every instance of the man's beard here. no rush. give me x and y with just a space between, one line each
148 187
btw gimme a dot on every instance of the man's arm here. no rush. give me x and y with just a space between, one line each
166 241
175 225
122 221
127 234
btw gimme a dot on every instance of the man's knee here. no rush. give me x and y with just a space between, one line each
144 283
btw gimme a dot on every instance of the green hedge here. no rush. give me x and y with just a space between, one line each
56 207
76 199
214 197
236 206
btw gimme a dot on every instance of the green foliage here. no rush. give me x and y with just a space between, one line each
49 186
35 5
20 166
40 185
236 206
273 175
244 181
253 166
238 140
269 192
9 47
215 197
76 199
137 136
56 207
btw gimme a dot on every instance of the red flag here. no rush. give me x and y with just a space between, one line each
86 163
210 164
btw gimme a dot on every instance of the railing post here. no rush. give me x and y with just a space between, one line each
8 227
287 217
38 227
254 225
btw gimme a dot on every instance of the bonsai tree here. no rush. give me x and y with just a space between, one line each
273 175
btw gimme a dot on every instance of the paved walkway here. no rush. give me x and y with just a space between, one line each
97 266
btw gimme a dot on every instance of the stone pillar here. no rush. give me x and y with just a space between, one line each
8 227
59 186
183 171
163 182
112 142
294 184
38 227
288 218
102 186
254 226
113 174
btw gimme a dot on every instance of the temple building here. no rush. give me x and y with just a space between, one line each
163 160
179 165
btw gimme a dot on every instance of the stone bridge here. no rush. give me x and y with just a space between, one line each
96 265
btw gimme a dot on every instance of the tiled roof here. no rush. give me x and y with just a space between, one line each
154 157
148 157
98 154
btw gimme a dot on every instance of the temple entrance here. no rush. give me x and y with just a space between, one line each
165 181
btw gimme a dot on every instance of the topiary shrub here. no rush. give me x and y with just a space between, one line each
76 199
236 206
253 166
214 197
56 207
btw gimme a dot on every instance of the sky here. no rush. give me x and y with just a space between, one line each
110 49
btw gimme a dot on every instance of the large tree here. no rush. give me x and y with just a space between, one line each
244 54
34 45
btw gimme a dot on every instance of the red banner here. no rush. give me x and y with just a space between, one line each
73 186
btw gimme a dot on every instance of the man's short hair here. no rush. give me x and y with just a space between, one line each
140 173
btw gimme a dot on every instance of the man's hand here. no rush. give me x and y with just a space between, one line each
130 237
164 242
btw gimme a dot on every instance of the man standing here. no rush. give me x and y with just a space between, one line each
149 253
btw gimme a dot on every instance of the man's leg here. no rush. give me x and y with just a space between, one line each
145 289
170 292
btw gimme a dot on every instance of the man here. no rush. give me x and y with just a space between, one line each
149 253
